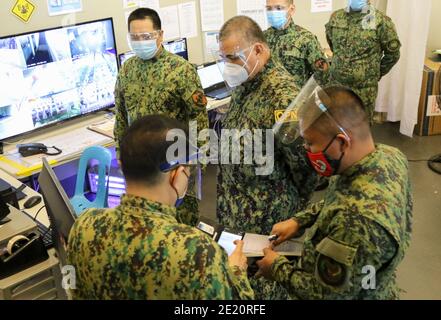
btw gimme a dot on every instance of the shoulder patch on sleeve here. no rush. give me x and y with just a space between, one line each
199 98
393 45
332 273
339 252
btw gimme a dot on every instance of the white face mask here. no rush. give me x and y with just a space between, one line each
236 75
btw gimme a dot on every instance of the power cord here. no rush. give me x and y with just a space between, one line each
434 163
38 212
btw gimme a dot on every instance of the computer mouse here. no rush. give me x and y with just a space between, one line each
32 202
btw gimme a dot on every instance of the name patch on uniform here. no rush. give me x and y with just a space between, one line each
291 116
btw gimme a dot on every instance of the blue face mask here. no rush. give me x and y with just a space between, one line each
357 5
277 18
145 50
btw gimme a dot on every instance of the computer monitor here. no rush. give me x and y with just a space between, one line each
123 57
178 47
59 209
54 75
210 75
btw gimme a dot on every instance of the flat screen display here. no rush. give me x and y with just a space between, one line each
54 75
211 75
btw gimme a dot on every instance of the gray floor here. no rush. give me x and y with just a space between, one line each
420 273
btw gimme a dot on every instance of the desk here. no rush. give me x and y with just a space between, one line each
29 192
71 137
221 105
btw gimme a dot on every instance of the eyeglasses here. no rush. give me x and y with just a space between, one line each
145 36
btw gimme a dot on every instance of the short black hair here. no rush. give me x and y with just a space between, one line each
146 13
347 108
144 148
245 27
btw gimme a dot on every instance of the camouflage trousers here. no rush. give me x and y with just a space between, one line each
188 213
268 290
369 96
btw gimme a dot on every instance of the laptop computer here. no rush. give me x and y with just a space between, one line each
212 81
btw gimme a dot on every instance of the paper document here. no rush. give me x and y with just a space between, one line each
188 20
152 4
321 6
211 45
106 127
255 9
434 106
170 22
212 14
254 245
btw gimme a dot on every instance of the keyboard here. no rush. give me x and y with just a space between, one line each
219 94
46 234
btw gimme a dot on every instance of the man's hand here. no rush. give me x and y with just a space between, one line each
237 258
285 231
266 263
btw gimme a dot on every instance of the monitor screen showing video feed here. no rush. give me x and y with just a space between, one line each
178 47
54 75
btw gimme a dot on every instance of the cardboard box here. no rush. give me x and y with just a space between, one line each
430 96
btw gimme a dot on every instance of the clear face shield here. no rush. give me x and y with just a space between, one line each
144 36
233 65
303 112
192 170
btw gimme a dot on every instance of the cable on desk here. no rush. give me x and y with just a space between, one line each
38 212
58 151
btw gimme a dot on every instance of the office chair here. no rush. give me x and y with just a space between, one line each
79 200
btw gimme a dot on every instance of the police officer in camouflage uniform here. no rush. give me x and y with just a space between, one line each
157 82
247 201
365 47
361 230
139 250
295 47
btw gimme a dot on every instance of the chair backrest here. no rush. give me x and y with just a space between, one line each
104 158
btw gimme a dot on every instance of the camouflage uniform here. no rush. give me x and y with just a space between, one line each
364 220
298 50
248 202
139 251
166 85
365 47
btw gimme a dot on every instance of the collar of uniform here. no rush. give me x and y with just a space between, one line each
363 163
147 205
161 56
363 11
252 84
